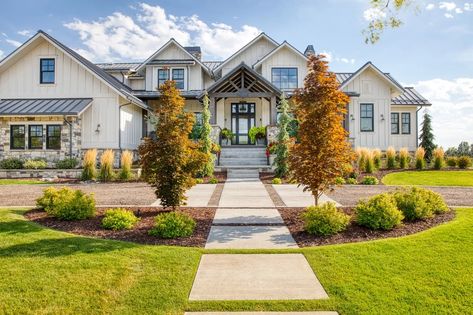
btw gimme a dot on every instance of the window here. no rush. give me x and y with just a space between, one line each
284 78
163 76
395 123
35 136
53 137
406 123
178 77
366 117
47 71
17 137
199 119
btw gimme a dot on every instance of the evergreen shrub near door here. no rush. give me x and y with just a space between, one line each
325 219
173 225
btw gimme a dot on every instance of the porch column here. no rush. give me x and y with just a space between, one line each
273 111
213 111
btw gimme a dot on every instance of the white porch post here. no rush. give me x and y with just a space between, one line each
273 110
213 111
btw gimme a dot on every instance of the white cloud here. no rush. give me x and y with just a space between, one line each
458 11
448 6
448 15
468 6
120 37
430 6
328 56
452 109
24 33
373 14
13 42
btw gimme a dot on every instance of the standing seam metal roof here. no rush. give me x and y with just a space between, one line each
50 106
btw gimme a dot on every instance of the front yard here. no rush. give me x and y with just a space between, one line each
45 271
430 178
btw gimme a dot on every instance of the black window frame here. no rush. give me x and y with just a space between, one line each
30 137
408 123
47 69
179 80
48 137
395 122
366 117
162 80
280 83
199 118
12 146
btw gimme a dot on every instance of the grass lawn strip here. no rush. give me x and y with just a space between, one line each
46 271
430 178
21 182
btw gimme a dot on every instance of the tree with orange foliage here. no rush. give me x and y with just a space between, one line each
323 148
171 161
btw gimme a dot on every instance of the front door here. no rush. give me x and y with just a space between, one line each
243 118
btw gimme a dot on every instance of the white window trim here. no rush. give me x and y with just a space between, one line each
155 76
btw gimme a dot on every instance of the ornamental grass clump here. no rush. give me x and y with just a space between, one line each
438 156
119 219
376 158
391 158
403 158
173 225
106 166
379 212
361 156
126 161
420 158
89 171
369 162
324 220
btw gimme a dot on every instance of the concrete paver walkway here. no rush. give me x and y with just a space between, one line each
245 194
247 216
255 277
197 196
294 196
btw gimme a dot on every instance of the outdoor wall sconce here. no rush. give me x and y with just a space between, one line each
98 129
351 117
382 117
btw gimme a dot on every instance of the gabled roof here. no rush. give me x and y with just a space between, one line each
262 35
106 78
410 97
117 66
171 42
285 44
50 106
370 65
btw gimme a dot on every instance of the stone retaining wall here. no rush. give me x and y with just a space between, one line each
50 173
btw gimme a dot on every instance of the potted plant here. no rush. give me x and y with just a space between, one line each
271 152
257 134
227 135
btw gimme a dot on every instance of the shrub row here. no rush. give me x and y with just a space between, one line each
36 163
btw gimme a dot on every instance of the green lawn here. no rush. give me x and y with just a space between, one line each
21 182
430 178
45 271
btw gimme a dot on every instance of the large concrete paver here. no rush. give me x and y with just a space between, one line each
250 237
294 196
245 194
255 277
247 216
197 196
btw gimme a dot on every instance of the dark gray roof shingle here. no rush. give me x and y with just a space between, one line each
44 106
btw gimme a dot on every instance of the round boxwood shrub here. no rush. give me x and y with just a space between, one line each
119 219
67 204
369 180
452 161
464 162
339 181
325 219
351 181
419 203
35 164
11 164
276 181
213 180
67 163
379 212
173 225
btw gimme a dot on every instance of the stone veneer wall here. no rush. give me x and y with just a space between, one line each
50 156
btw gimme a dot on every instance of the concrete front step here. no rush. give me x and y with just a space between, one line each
239 161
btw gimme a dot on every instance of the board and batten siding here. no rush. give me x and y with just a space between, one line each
404 140
72 80
285 58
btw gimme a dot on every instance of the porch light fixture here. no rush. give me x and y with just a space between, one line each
382 117
351 117
98 129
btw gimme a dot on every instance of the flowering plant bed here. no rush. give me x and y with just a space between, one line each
139 234
354 233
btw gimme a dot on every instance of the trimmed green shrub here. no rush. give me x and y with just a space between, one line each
199 181
370 180
325 219
464 162
419 203
67 204
34 164
119 219
276 181
379 212
68 163
339 180
351 181
213 180
452 161
11 164
173 225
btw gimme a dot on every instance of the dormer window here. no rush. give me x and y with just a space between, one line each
163 76
47 70
178 77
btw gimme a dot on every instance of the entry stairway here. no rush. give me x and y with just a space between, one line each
244 161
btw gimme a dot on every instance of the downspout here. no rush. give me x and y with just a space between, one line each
120 130
70 136
417 126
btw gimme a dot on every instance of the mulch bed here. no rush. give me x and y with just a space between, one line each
92 227
354 233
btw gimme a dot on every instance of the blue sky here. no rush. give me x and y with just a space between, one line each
433 50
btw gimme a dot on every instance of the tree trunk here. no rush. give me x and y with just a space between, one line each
316 197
